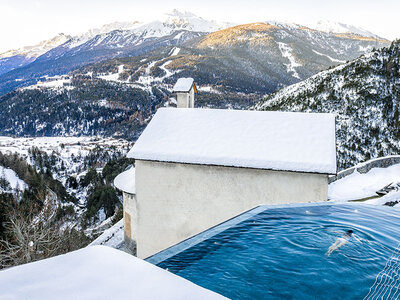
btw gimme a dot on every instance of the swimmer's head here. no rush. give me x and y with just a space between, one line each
349 232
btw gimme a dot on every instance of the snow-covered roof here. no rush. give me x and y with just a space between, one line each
183 85
303 142
96 272
126 181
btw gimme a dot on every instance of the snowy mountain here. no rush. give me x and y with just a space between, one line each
365 95
13 59
317 48
191 22
284 53
18 58
337 27
113 40
169 23
250 58
39 49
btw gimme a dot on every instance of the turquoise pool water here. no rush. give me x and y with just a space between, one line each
280 253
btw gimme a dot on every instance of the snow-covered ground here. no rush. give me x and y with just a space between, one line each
360 186
12 178
208 89
70 153
175 51
53 82
96 272
112 237
148 80
114 76
65 147
392 197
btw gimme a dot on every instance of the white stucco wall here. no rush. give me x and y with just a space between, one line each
176 201
185 100
191 98
130 218
182 100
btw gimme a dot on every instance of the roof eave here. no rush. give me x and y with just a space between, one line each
235 166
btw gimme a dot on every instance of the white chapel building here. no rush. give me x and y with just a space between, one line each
195 168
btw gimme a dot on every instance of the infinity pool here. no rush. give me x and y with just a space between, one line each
280 253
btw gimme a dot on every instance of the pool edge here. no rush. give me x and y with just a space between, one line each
210 232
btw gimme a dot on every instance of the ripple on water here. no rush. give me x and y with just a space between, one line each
281 253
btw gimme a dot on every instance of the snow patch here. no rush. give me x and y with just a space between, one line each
287 53
52 82
112 237
331 58
175 51
390 197
113 76
12 178
208 89
360 186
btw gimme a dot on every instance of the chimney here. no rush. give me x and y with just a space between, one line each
185 88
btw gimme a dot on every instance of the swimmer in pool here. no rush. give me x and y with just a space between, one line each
341 241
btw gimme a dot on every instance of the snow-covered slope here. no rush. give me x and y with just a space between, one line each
14 182
75 169
18 58
68 156
283 52
39 49
112 237
376 181
122 34
337 27
363 185
365 96
96 272
166 25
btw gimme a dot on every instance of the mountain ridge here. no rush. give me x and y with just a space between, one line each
120 36
365 95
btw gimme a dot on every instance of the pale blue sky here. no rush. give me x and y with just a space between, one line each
26 22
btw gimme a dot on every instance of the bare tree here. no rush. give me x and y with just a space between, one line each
32 234
28 239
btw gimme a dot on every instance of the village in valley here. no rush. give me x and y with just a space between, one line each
187 158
